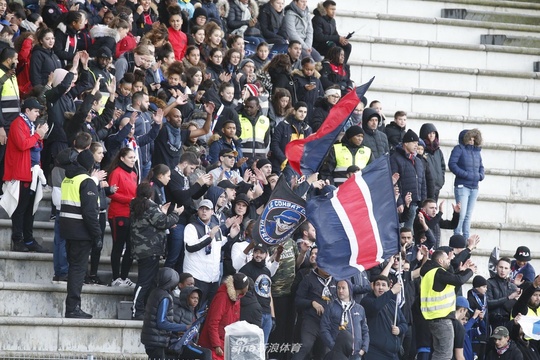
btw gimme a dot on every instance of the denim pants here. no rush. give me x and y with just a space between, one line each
175 248
467 198
60 261
442 333
266 325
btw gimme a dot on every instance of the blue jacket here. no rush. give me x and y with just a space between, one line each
412 177
466 161
356 324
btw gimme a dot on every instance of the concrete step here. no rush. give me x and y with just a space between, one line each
41 300
489 16
455 31
456 102
507 40
33 337
509 131
488 57
38 268
452 78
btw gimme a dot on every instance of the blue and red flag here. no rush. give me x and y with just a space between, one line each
306 155
357 224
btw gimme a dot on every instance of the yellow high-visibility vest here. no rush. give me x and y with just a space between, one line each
436 304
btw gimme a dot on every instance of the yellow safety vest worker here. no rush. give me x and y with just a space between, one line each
70 198
10 99
344 159
436 304
253 137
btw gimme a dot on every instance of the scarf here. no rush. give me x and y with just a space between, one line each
503 349
431 147
124 167
174 138
426 216
326 295
277 18
345 314
246 16
338 69
147 18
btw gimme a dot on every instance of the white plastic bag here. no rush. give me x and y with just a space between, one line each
244 341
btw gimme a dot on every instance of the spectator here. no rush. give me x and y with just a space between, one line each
99 68
434 156
9 99
307 84
430 187
503 347
108 36
271 17
466 164
260 58
434 221
193 57
377 106
280 106
22 158
67 36
43 60
335 71
501 294
396 130
213 39
294 50
478 302
325 34
227 141
143 18
177 38
140 57
279 69
297 26
323 106
521 268
375 139
123 175
255 130
242 20
148 225
223 311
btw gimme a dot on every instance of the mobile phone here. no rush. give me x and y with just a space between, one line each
313 83
349 35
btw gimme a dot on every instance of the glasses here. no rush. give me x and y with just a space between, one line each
228 156
217 56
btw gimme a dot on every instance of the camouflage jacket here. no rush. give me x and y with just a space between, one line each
149 234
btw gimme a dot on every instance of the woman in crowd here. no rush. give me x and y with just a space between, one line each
43 60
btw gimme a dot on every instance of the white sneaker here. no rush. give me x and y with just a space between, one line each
118 282
129 283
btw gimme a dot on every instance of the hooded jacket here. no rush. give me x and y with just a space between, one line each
324 29
42 63
374 139
466 161
158 324
224 310
311 289
434 156
309 97
320 113
355 320
270 22
297 25
250 309
103 36
58 103
412 175
183 312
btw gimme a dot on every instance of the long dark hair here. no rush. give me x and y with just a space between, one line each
116 161
140 204
159 169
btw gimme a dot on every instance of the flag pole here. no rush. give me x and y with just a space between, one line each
401 282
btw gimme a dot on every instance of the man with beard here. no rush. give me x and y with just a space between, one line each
529 302
501 294
100 68
255 130
256 269
168 145
227 141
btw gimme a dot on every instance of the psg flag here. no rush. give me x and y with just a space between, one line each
306 155
357 224
284 212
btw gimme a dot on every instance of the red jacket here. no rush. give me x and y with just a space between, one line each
126 44
23 67
17 162
127 190
179 43
224 310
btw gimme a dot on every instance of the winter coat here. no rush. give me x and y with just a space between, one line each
64 46
96 128
148 233
380 318
434 156
270 22
18 163
374 139
140 27
58 103
311 289
499 305
250 309
126 180
179 43
513 353
412 175
297 25
103 36
286 131
394 133
183 313
282 78
324 29
235 16
42 63
309 97
356 323
330 77
435 224
126 44
320 113
224 310
466 161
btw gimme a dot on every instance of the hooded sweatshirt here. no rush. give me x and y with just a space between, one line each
374 139
434 156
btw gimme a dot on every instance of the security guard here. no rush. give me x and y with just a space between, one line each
255 130
438 300
79 225
349 151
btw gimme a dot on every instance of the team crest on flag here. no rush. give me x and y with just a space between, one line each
284 212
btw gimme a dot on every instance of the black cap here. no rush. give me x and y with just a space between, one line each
478 281
409 136
86 159
104 52
227 151
457 242
446 249
261 247
226 184
523 254
353 131
240 281
31 103
262 162
241 198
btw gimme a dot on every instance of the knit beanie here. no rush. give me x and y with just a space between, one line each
457 242
86 159
478 281
252 89
240 281
353 131
200 11
410 136
244 62
263 162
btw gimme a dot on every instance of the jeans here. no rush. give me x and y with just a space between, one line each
175 248
467 197
147 272
442 333
77 252
209 290
60 261
266 325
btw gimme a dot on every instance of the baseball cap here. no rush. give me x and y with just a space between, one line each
261 247
104 52
206 203
500 332
226 184
462 302
225 152
31 103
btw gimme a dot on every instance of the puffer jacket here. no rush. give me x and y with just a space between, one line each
297 25
148 233
270 22
183 312
412 176
283 134
309 97
356 323
324 29
434 156
466 161
235 16
103 36
374 139
42 63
